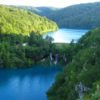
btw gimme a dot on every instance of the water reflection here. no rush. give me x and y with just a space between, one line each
66 35
26 84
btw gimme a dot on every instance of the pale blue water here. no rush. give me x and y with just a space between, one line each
26 84
66 35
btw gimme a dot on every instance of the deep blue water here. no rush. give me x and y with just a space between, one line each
26 84
66 35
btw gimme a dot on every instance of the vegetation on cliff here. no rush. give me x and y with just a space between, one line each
84 69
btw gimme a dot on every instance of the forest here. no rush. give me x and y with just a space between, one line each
81 16
21 40
83 70
18 21
18 51
22 45
21 37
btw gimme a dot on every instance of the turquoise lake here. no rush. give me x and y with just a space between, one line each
33 83
27 84
66 35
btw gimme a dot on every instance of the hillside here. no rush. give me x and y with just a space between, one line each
43 11
83 16
78 16
84 69
14 20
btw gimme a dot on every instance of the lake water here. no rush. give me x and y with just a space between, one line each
26 84
66 35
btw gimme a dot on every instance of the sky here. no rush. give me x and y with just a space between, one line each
50 3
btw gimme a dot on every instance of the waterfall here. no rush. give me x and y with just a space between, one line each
64 58
56 59
51 58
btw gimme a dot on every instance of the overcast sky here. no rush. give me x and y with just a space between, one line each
53 3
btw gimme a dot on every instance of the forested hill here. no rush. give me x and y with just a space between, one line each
75 16
82 74
78 16
43 11
15 20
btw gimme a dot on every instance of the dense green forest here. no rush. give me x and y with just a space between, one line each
22 43
15 20
81 76
18 51
76 16
21 37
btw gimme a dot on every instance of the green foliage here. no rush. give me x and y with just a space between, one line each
17 50
21 43
96 94
84 67
76 16
22 51
65 51
18 21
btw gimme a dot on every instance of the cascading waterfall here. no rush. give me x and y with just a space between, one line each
51 58
64 58
56 59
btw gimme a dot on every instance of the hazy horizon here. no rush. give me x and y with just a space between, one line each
46 3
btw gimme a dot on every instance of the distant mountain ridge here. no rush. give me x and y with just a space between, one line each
78 16
84 16
43 11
